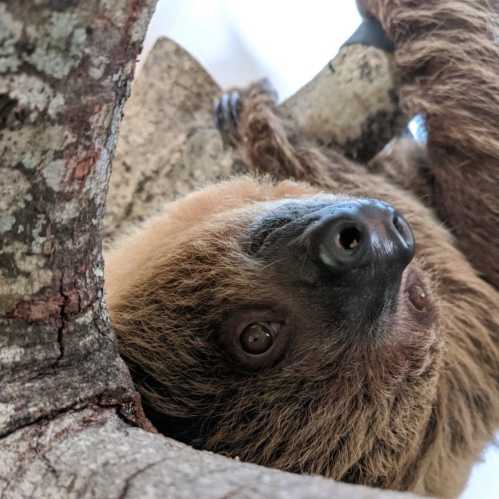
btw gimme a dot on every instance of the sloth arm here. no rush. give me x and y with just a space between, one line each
448 54
250 120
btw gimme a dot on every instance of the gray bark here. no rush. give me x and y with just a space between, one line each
65 72
92 453
71 424
167 145
352 104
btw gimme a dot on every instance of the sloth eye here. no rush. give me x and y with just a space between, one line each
257 338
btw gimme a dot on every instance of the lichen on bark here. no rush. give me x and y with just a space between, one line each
59 113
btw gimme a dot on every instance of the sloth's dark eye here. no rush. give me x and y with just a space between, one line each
257 338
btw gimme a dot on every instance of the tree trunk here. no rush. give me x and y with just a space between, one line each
68 411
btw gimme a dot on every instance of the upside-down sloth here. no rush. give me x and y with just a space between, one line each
324 317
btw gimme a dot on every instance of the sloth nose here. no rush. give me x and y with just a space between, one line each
364 233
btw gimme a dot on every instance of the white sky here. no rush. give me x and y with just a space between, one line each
289 42
269 30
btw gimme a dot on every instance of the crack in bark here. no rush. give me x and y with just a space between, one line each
44 419
77 407
7 105
244 486
128 481
60 329
50 467
235 491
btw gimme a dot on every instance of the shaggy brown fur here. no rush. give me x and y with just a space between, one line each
410 411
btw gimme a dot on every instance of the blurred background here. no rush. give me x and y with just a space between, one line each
288 42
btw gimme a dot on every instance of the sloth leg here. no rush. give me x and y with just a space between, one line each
249 120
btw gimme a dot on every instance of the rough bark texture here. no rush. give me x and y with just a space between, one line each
352 104
64 77
92 453
65 72
66 402
168 144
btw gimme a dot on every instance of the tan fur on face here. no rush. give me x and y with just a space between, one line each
177 221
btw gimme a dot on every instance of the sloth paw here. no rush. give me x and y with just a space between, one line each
227 111
228 108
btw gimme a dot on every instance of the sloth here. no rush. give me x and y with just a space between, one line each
326 317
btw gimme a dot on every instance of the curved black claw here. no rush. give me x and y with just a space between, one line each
227 110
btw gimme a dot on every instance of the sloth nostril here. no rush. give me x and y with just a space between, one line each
349 238
367 233
400 226
396 223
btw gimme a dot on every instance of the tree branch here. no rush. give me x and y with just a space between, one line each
92 453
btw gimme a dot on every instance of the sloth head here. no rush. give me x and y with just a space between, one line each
282 325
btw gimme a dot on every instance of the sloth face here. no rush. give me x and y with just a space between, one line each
288 327
339 267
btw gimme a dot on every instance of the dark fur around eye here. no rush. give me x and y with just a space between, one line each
259 236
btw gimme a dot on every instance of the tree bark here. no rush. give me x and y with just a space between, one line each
65 75
91 453
69 417
168 145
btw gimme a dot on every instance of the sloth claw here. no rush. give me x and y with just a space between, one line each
228 107
227 111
